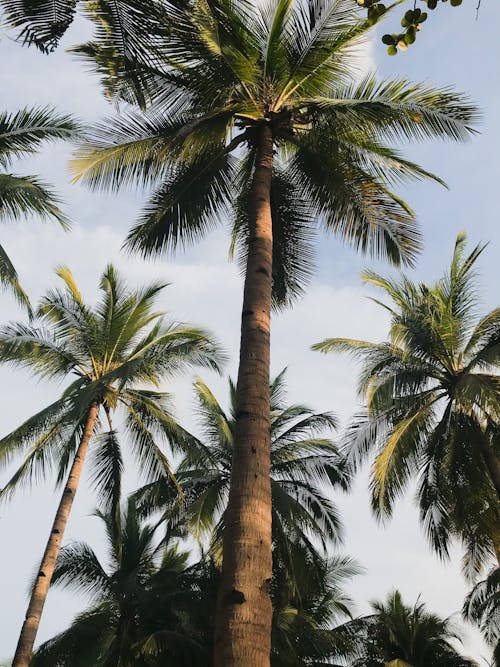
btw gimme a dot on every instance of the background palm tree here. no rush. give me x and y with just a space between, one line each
308 606
150 608
253 106
482 608
433 405
143 604
21 133
306 468
397 635
114 352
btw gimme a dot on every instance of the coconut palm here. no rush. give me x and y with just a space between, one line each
306 468
149 608
117 353
21 133
433 405
254 109
143 603
307 610
397 635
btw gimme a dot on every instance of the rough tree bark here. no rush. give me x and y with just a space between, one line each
244 610
29 630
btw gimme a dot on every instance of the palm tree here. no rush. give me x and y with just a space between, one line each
21 134
433 404
149 607
397 635
118 353
254 109
143 605
307 608
306 467
482 608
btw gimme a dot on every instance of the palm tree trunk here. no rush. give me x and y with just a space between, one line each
244 611
29 630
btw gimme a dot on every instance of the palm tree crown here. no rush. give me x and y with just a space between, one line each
21 133
226 70
397 635
433 405
112 352
305 469
141 602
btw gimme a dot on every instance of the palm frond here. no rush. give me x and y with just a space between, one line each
41 23
23 131
10 280
399 110
36 427
78 569
82 643
186 206
37 349
293 236
22 196
353 204
106 472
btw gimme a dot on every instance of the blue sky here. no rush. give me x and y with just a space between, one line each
453 49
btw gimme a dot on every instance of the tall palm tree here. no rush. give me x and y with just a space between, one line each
397 635
306 467
254 109
21 133
143 604
433 406
117 353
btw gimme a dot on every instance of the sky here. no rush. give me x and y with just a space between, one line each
205 289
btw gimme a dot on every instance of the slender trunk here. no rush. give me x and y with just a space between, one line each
29 630
244 610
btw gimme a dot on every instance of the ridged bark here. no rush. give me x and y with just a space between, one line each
31 623
244 610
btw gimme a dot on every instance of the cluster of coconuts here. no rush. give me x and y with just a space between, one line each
411 21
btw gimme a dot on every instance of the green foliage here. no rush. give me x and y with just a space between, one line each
432 406
144 604
115 354
306 467
150 607
397 635
21 134
482 607
223 71
308 607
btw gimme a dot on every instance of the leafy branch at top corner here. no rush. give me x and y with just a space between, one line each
411 22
